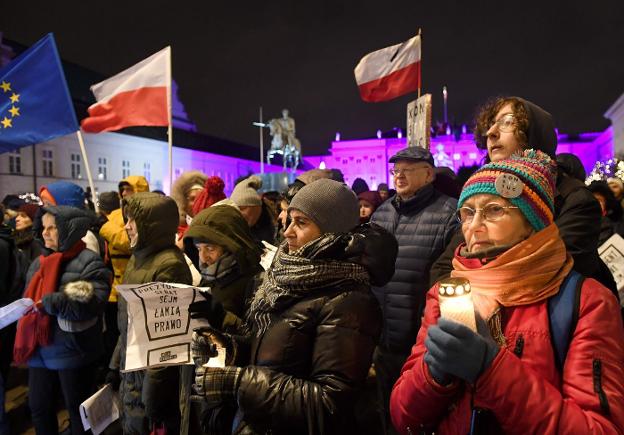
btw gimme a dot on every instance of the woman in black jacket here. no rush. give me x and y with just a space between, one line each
312 325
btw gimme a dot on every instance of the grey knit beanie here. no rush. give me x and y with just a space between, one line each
246 192
330 204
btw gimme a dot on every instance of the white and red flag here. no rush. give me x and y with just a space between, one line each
138 96
390 72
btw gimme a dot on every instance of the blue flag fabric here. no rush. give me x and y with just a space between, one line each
35 105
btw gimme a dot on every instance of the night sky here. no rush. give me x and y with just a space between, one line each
231 57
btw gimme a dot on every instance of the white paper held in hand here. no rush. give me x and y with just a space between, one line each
219 360
14 311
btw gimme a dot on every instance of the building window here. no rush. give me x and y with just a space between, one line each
48 168
15 161
75 166
147 171
125 168
102 168
358 161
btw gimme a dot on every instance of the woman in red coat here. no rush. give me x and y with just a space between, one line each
505 378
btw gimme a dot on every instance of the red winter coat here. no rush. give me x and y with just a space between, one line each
526 394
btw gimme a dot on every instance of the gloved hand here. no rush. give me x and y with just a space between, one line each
208 309
217 385
114 378
204 343
456 350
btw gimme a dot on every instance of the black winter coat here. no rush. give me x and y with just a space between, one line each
306 369
422 225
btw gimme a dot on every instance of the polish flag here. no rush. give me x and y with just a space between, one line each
390 72
138 96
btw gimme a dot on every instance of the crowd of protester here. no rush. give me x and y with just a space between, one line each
345 330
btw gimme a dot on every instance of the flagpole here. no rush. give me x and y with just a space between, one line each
83 150
169 127
261 144
420 61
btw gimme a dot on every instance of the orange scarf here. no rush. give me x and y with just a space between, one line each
528 272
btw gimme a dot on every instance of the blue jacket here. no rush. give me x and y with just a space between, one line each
422 225
68 350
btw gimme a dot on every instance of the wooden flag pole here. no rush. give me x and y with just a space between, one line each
83 151
170 127
420 62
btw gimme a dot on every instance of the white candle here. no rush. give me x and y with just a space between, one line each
455 300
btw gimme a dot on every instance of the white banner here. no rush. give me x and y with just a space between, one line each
159 325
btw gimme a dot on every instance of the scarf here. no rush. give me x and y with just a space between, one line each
293 276
33 329
528 272
219 269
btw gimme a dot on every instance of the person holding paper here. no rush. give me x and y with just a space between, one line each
508 377
312 325
61 341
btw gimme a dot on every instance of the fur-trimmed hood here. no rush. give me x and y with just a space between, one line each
186 182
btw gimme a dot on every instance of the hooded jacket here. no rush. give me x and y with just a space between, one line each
150 394
67 349
226 227
115 235
576 209
181 188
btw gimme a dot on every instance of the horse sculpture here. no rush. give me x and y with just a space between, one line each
288 148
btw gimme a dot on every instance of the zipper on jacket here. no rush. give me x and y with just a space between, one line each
597 372
519 347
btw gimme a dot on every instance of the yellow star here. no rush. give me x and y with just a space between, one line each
6 87
6 122
14 98
14 111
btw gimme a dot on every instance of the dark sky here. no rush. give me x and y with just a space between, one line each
230 57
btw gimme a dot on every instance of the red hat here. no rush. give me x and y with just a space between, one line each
30 209
371 196
212 193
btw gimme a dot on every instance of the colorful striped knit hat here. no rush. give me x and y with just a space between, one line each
527 180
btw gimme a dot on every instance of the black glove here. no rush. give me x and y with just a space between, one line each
454 349
114 378
205 341
208 309
217 385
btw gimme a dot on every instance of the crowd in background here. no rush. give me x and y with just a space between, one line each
342 332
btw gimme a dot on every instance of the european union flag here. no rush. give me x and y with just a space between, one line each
35 105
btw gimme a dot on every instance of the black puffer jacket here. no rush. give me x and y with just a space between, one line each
305 370
423 225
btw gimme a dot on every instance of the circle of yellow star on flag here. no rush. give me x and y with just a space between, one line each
14 111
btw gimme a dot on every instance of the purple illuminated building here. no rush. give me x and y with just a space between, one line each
368 158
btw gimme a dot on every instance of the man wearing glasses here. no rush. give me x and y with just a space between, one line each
510 124
423 220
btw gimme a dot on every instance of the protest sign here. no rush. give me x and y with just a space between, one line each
419 122
159 324
612 253
100 410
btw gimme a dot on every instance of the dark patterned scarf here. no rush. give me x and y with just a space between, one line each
295 276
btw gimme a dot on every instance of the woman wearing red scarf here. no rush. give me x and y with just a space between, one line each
61 340
505 378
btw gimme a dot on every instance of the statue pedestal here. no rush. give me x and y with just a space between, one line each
277 181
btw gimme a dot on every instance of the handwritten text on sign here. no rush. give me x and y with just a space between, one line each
159 325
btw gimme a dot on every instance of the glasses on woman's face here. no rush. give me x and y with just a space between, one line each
505 123
490 212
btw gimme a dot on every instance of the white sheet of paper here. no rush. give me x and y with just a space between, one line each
14 311
219 360
100 410
267 255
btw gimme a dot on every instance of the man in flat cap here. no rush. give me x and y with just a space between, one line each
423 220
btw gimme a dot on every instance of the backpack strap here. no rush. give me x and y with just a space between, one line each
563 312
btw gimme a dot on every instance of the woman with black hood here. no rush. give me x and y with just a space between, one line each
507 125
312 325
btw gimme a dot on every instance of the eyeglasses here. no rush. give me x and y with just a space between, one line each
408 171
505 123
490 212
